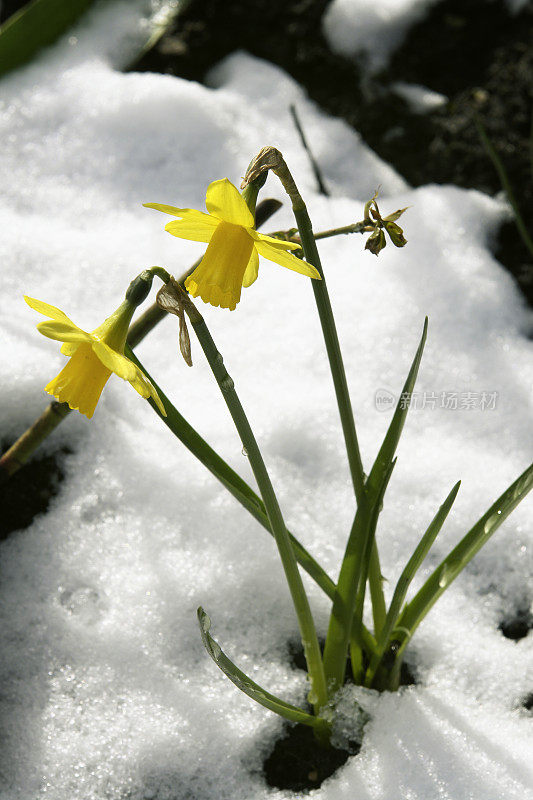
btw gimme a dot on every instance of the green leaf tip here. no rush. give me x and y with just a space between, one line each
248 686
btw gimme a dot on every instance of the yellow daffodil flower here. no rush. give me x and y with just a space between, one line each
232 257
93 357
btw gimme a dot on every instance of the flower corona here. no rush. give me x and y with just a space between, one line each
231 260
93 357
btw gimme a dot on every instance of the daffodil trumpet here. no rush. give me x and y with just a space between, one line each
231 260
94 356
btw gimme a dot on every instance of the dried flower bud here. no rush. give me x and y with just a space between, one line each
169 298
395 215
395 233
376 241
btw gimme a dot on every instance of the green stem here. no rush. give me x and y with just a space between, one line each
290 566
19 453
342 613
377 596
329 328
236 486
356 227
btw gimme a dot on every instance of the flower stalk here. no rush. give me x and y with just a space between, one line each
318 694
270 158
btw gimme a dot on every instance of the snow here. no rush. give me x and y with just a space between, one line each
374 29
419 99
106 689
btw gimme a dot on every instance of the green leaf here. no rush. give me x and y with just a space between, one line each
395 215
35 26
406 577
456 561
388 448
247 685
365 561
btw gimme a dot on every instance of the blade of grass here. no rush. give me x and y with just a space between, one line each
506 184
456 561
314 164
405 579
341 618
248 686
364 568
379 469
35 26
394 431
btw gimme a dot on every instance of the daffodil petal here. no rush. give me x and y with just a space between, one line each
252 270
63 332
69 348
145 388
197 229
49 311
115 361
173 210
285 259
218 278
224 201
279 243
81 381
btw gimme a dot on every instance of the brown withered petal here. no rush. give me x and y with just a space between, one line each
169 299
396 234
376 241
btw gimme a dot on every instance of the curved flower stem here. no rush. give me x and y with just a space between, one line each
301 604
233 482
21 450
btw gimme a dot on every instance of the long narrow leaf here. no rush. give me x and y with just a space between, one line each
247 685
35 26
364 567
379 469
467 548
407 576
394 431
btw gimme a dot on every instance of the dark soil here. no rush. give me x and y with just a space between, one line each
28 492
297 761
473 51
518 626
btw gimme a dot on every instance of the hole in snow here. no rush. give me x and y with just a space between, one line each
28 492
518 626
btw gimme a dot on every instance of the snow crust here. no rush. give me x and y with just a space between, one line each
107 692
374 29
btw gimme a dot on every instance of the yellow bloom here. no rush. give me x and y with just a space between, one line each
93 357
232 257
